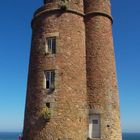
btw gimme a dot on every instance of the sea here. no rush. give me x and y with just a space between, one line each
14 136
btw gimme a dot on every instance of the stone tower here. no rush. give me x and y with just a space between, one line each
72 90
102 87
57 73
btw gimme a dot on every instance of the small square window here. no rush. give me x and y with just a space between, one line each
50 79
48 105
51 45
95 121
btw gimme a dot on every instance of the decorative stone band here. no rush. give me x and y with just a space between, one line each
50 11
98 13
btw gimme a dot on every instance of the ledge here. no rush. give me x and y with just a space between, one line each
93 138
54 34
58 9
55 10
98 13
49 11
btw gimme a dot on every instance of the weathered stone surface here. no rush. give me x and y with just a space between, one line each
85 80
101 72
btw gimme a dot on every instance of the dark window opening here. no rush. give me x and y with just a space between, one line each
47 84
48 105
95 121
50 79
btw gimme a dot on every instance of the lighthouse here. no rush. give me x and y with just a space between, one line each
72 91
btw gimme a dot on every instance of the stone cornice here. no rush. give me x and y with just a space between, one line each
69 10
99 13
48 11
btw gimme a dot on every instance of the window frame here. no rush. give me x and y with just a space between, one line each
49 79
50 45
92 119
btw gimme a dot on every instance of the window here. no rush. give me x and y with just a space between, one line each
50 79
50 45
47 1
95 121
48 105
94 126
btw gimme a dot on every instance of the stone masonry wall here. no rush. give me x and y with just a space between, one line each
85 73
69 100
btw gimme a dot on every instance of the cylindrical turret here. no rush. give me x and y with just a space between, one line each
56 94
102 87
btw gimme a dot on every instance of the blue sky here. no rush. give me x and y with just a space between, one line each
15 40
